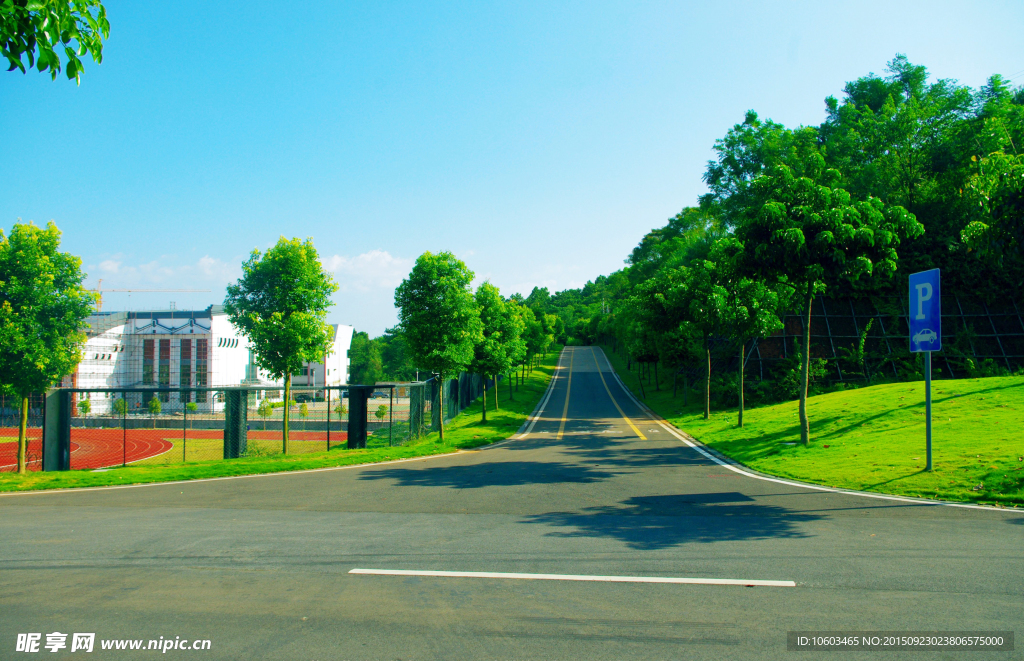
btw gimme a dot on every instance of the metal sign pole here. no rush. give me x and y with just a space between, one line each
928 406
924 319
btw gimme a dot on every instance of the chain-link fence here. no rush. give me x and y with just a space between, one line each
103 428
868 338
10 422
100 428
458 395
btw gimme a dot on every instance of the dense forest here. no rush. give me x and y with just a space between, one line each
905 174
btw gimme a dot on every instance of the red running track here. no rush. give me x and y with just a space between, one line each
100 448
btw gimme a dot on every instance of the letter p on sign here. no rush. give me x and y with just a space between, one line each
925 311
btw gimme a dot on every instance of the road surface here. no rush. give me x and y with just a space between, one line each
260 566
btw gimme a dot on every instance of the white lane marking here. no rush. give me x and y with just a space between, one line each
535 416
688 440
575 577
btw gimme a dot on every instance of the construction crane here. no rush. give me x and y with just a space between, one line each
99 291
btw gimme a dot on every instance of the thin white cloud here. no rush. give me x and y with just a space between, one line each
373 270
166 272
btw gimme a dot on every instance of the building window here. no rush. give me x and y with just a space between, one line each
164 369
201 368
147 362
185 369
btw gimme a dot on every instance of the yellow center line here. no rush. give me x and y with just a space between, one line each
565 409
629 422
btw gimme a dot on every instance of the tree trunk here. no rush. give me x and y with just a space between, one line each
707 382
497 394
686 389
23 437
675 380
440 404
511 390
657 384
742 347
483 419
805 370
287 405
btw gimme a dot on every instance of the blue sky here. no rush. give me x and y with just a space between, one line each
537 141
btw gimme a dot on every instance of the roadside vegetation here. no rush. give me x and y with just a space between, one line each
873 438
465 431
906 173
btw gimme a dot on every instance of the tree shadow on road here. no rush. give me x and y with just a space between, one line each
498 473
657 522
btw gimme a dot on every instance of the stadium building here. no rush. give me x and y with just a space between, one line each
182 349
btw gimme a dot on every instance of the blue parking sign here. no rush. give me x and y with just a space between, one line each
925 311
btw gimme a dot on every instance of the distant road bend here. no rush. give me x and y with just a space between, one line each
596 535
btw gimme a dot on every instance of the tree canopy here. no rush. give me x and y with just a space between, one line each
40 30
280 304
439 316
42 312
501 344
905 173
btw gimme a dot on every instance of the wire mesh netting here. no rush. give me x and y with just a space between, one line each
101 428
975 334
168 426
10 423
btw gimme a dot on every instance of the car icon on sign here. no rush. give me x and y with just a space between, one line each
925 335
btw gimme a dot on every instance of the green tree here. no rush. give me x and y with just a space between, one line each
366 364
533 335
42 311
120 406
154 408
996 194
37 30
304 412
754 308
394 355
439 316
748 151
84 406
808 233
265 410
704 304
280 304
381 412
500 340
191 407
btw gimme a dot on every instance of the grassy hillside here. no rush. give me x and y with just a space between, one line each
873 438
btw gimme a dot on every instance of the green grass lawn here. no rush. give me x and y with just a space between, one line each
873 438
465 431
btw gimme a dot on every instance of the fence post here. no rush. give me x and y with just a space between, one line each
235 419
357 396
57 431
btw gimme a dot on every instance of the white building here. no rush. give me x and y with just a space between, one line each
182 348
334 370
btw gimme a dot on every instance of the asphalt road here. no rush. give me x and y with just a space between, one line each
260 566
